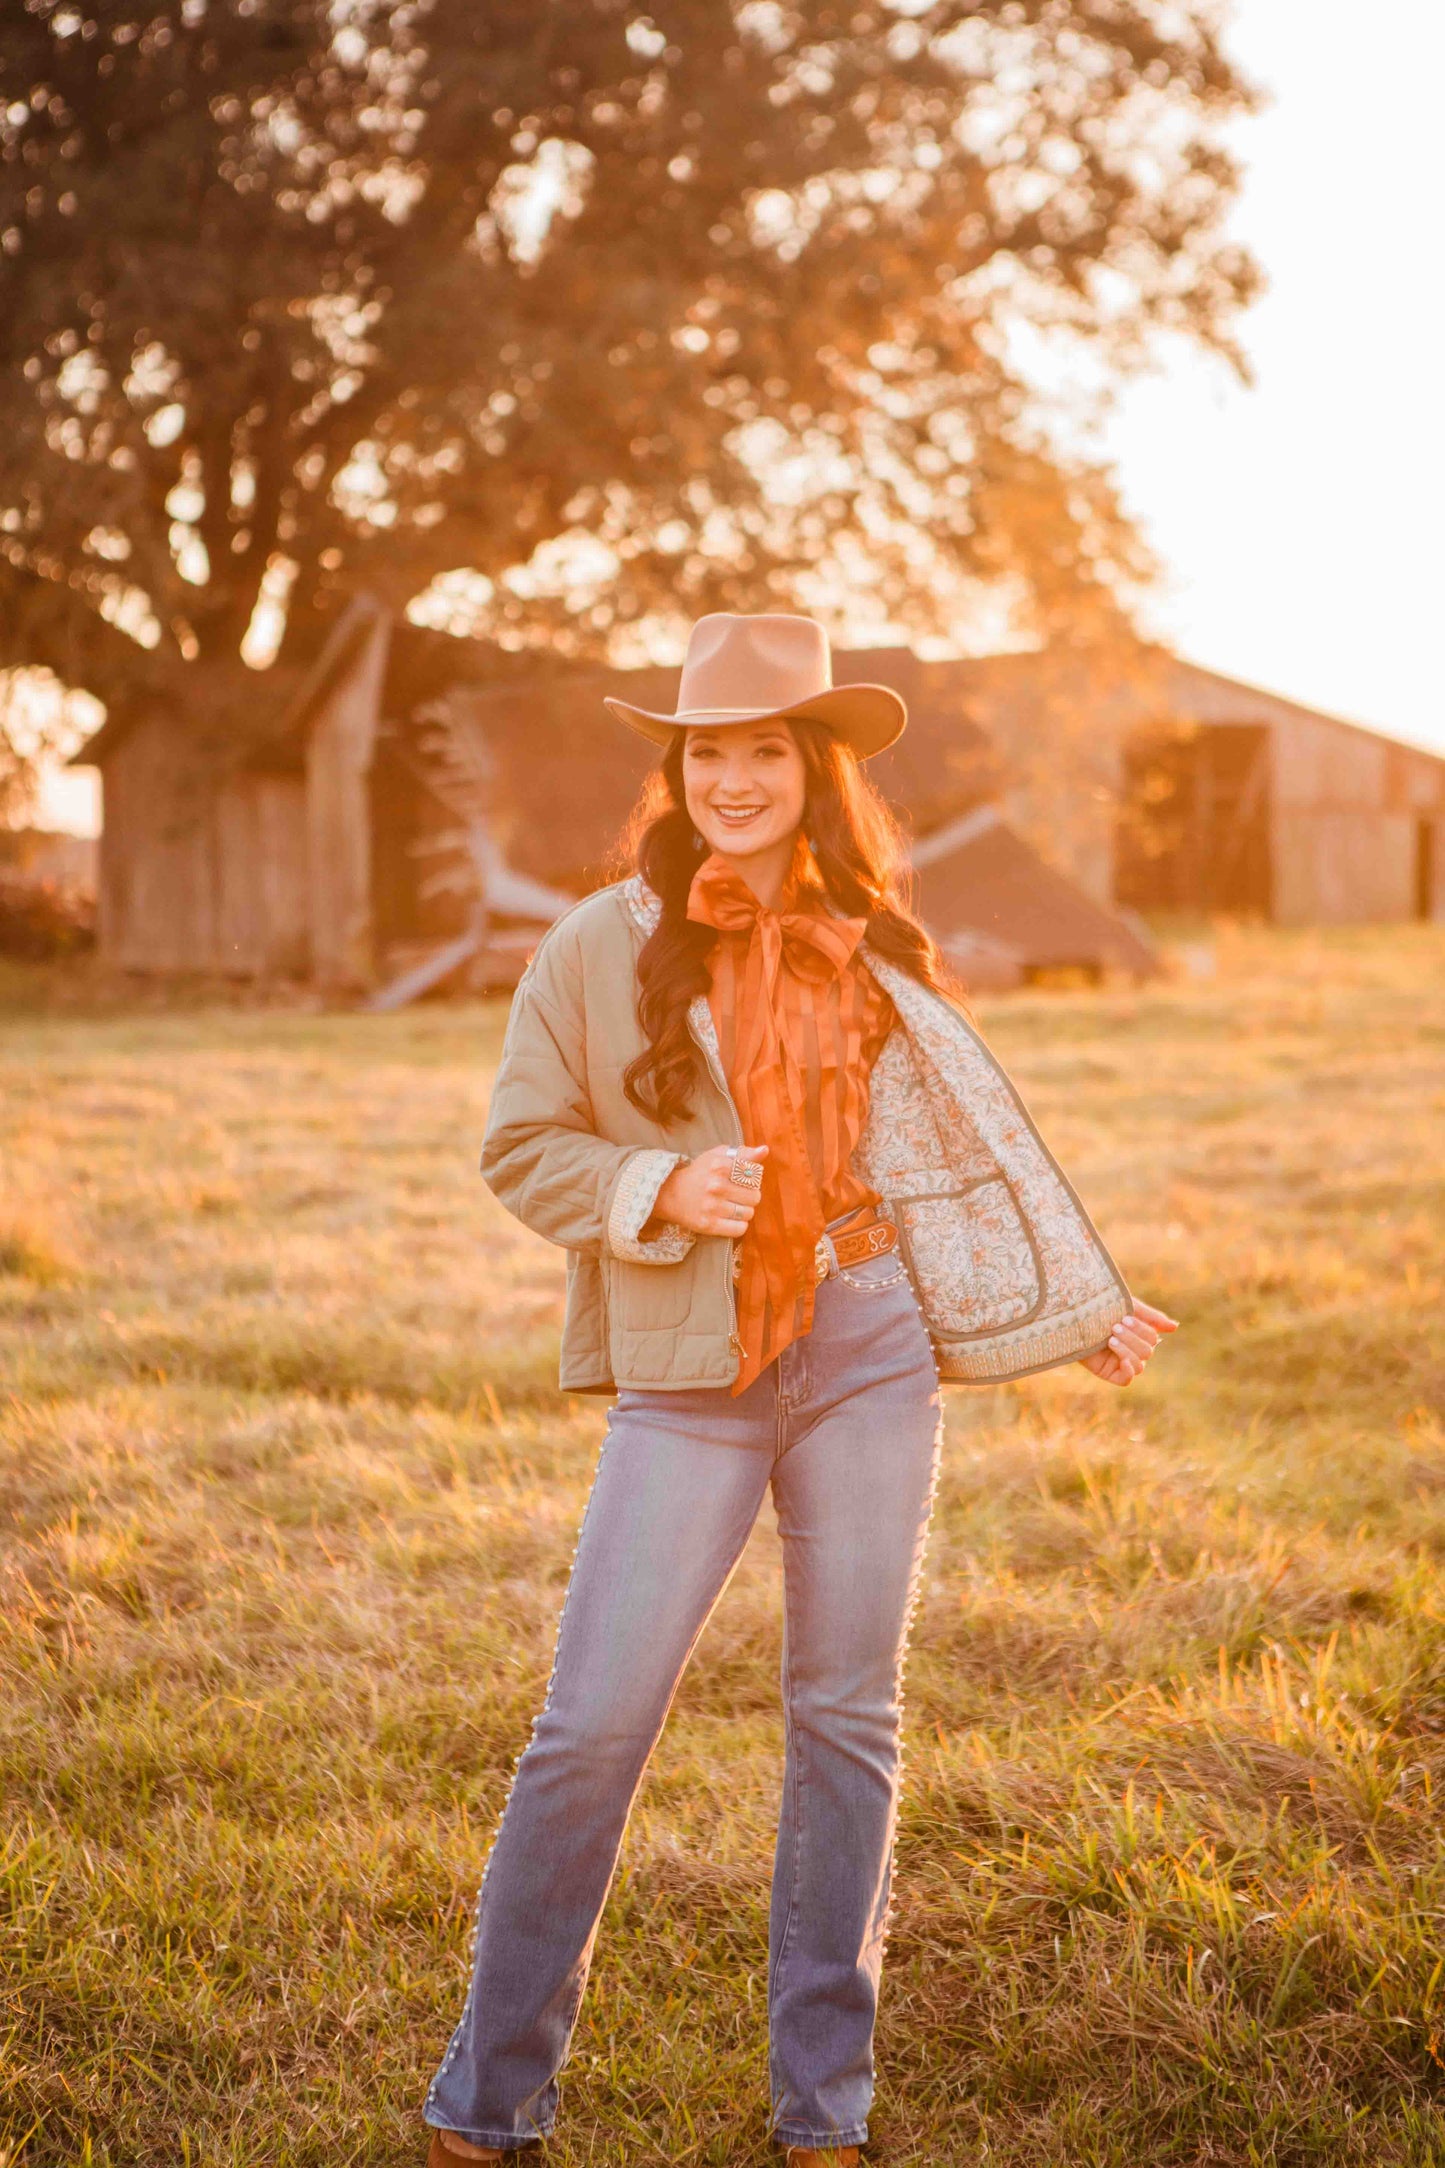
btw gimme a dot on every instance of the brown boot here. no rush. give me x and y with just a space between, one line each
446 2151
838 2156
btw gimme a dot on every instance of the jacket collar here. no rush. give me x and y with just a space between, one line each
644 905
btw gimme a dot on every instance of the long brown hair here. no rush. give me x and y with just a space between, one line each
859 853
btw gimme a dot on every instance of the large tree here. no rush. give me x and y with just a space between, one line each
623 313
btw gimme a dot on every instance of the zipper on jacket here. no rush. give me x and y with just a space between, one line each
715 1071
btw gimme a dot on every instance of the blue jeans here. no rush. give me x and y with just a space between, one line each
845 1427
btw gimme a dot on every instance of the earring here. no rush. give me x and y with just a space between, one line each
697 842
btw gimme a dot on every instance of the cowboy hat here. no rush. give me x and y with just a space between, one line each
766 669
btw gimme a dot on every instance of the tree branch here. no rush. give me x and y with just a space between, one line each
53 625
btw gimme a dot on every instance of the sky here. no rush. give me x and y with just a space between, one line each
1299 521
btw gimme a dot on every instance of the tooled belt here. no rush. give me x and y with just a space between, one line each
869 1235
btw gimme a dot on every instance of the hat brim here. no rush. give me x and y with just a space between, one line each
867 717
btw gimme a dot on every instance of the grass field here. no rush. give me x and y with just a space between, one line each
287 1504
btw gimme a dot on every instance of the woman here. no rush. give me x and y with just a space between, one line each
795 1191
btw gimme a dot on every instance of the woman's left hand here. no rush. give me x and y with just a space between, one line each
1131 1343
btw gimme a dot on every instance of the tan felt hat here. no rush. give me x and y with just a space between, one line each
767 668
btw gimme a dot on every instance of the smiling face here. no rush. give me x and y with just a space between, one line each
745 787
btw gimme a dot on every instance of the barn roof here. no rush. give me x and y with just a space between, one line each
960 709
1146 685
979 876
285 695
1207 696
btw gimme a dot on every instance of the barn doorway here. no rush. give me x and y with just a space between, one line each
1193 831
1425 869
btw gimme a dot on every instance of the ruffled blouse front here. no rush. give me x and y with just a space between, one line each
800 1021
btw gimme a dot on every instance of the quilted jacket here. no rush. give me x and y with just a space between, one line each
1009 1271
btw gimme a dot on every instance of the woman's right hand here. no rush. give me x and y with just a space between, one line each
699 1196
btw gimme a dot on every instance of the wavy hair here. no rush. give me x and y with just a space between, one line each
859 853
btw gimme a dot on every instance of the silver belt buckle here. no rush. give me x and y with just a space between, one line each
822 1258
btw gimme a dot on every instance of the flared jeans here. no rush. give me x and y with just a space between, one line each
844 1427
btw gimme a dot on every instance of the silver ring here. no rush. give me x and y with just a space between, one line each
745 1173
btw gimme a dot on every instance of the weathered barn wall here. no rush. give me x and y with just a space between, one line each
239 930
284 876
338 820
157 894
1194 828
1348 811
1338 826
1335 868
261 876
262 871
197 875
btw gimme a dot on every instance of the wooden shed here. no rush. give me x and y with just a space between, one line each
254 867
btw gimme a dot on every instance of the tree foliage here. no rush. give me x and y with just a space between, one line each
618 314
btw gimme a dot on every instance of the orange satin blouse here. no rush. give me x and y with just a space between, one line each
800 1022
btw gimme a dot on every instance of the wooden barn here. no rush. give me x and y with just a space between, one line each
1162 786
1236 800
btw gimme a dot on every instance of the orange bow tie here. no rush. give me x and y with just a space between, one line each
814 943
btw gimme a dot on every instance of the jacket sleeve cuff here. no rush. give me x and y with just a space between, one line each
633 1198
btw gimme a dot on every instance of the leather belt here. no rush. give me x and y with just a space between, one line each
872 1238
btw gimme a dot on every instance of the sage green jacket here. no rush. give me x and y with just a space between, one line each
1008 1269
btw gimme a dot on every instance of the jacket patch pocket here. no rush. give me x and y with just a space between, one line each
973 1260
648 1298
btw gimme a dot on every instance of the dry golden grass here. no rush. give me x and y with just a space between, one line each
288 1502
